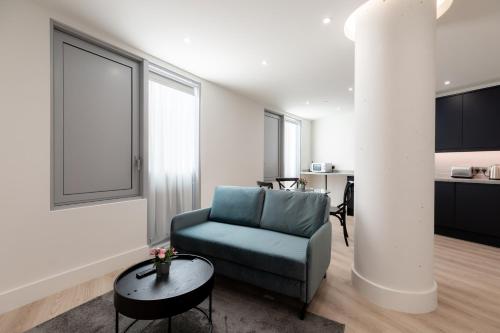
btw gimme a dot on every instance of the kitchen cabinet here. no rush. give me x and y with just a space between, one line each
477 208
444 208
468 121
481 119
449 123
468 211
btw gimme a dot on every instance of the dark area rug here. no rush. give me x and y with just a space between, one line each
237 307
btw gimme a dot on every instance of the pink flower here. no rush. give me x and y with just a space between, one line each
162 251
152 252
161 255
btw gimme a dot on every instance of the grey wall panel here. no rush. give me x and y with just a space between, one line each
96 122
272 146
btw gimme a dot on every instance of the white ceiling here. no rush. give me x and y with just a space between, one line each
307 60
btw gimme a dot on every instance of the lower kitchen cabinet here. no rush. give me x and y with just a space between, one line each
468 211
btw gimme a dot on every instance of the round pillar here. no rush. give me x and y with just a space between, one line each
394 158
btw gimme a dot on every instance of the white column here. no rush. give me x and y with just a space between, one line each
394 158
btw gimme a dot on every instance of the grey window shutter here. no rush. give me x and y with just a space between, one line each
96 122
272 146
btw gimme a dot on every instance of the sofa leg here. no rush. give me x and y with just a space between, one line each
302 313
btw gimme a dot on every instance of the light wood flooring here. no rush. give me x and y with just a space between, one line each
468 277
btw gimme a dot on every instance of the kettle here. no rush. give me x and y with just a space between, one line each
494 171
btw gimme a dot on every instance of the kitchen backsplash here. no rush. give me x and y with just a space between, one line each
444 161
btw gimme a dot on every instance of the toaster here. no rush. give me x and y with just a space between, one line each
461 172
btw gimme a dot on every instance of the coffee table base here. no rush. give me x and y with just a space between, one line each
207 315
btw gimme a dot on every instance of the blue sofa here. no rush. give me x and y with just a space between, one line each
278 240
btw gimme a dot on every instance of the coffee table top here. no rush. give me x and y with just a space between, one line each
187 273
190 281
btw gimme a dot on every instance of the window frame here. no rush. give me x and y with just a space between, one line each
58 200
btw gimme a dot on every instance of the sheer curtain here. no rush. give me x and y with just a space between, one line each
292 148
173 151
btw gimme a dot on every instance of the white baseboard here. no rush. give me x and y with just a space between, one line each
30 292
408 301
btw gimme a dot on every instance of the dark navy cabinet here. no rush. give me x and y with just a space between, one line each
468 211
449 123
481 119
468 121
444 210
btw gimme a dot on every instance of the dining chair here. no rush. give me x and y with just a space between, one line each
269 185
281 180
340 211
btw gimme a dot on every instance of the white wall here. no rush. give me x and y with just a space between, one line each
46 251
332 140
232 141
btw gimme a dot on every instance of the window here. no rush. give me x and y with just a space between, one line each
96 143
281 146
292 148
173 150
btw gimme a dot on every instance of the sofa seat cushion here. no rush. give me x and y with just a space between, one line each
260 249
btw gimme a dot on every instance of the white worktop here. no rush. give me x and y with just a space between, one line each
475 180
334 173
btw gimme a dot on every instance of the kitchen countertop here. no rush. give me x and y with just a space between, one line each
334 173
475 180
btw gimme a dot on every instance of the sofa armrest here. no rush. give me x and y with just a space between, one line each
318 258
189 219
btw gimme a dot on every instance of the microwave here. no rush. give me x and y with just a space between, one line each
321 167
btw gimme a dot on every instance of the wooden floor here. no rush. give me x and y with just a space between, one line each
468 277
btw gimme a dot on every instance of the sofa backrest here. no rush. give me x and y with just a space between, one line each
295 213
237 205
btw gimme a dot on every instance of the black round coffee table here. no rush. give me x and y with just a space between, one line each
190 282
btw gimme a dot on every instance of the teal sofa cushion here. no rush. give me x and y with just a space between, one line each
237 205
260 249
295 213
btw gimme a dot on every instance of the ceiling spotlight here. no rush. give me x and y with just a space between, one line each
307 103
264 63
327 20
187 40
447 83
350 89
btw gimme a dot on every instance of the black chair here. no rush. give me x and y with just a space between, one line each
295 183
340 211
269 185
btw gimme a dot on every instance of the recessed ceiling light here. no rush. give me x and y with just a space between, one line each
307 103
350 89
327 20
447 83
338 108
187 40
264 63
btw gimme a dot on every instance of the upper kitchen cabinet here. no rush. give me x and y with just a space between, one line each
481 119
449 123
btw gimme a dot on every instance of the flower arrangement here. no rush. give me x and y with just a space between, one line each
162 255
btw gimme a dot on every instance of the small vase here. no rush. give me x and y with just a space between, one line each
162 269
302 187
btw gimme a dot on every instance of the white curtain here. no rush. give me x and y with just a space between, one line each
292 148
173 151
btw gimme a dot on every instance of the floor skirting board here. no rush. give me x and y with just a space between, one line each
24 294
400 300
